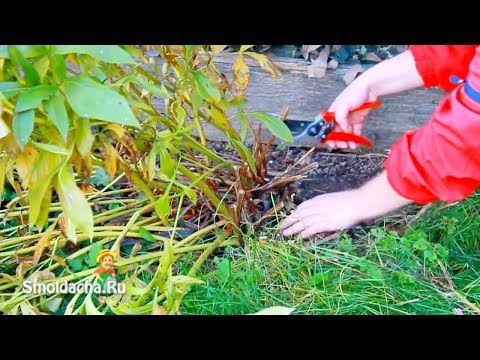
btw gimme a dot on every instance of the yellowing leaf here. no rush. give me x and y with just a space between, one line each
24 163
185 280
151 164
217 48
109 159
3 170
83 136
245 47
43 243
44 209
118 130
74 204
240 75
46 167
265 64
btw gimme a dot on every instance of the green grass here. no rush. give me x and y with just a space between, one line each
371 271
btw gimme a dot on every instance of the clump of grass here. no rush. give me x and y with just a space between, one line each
433 268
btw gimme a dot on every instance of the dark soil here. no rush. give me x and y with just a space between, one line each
337 169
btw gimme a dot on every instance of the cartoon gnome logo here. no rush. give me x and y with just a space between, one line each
105 273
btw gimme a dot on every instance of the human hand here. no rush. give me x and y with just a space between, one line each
323 213
341 210
356 94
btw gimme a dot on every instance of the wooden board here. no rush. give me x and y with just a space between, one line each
307 96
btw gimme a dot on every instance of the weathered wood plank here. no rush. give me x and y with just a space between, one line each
306 96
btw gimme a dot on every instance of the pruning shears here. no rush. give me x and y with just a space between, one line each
322 127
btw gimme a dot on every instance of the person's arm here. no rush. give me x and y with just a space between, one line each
440 160
437 63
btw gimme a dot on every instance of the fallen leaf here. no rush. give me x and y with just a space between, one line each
54 304
352 73
136 248
332 64
319 65
306 49
275 310
372 57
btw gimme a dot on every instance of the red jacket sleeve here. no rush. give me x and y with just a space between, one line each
436 63
441 161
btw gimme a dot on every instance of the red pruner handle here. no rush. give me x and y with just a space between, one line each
329 116
342 136
368 105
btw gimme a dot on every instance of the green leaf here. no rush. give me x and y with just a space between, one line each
76 264
59 68
275 310
132 50
205 87
41 65
10 88
430 255
197 101
248 155
146 234
189 49
101 178
74 204
166 163
151 88
441 251
31 75
181 113
244 123
162 205
23 126
90 99
106 53
93 253
90 66
51 148
319 278
345 244
57 112
374 272
275 124
28 51
32 98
